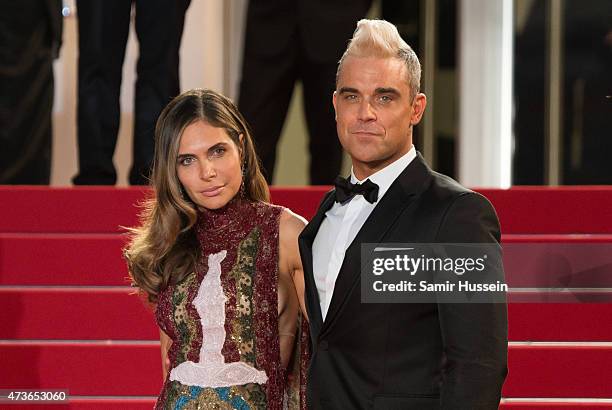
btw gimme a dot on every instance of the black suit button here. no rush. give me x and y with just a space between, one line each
323 345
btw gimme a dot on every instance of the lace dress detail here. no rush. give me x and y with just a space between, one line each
211 370
223 319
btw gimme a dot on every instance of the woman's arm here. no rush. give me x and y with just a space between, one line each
291 225
290 283
165 342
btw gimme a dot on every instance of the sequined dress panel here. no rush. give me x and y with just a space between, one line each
243 239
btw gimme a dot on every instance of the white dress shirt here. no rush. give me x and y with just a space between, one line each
341 225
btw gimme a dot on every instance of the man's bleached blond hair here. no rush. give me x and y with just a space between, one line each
379 38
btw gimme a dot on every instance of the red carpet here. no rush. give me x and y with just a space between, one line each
70 321
117 369
34 313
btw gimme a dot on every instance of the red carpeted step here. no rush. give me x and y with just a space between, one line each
554 405
522 210
560 322
96 259
141 404
559 261
62 259
81 209
304 201
118 369
557 238
559 371
85 369
76 403
75 314
127 403
105 209
554 210
99 313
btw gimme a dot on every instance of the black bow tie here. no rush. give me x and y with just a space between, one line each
345 190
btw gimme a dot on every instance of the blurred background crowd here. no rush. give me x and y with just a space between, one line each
82 83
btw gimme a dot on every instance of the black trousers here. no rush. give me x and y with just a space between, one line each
103 27
26 91
265 92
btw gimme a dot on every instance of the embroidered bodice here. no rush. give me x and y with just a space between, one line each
223 318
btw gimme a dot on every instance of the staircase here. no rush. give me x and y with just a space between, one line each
71 321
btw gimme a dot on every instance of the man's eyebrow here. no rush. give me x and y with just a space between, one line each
387 90
344 90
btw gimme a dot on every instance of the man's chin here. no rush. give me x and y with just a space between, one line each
370 163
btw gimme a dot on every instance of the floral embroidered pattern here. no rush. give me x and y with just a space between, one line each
185 323
243 273
199 398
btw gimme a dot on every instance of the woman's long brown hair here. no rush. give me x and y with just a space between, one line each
164 249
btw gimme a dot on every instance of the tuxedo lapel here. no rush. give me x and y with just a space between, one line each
305 241
401 194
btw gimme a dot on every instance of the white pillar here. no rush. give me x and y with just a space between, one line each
235 24
555 93
485 93
202 47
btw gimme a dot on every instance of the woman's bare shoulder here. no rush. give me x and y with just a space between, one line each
291 224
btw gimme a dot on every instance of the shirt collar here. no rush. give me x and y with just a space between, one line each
385 177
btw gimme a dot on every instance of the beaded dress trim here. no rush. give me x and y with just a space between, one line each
211 370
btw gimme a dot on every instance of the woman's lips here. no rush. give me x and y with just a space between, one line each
214 191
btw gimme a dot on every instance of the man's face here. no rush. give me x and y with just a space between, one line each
375 112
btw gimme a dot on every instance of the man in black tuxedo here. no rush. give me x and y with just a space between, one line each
394 356
286 41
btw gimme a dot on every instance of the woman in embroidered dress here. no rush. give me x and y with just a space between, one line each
221 264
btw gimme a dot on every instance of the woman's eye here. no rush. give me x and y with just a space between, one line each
219 151
186 161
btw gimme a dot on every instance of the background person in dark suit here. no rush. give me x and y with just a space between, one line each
394 356
586 81
103 32
286 41
31 33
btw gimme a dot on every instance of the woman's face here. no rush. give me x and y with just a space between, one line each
208 165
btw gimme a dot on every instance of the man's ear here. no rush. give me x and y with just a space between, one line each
334 97
418 108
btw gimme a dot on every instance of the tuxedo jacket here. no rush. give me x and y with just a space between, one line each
407 356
